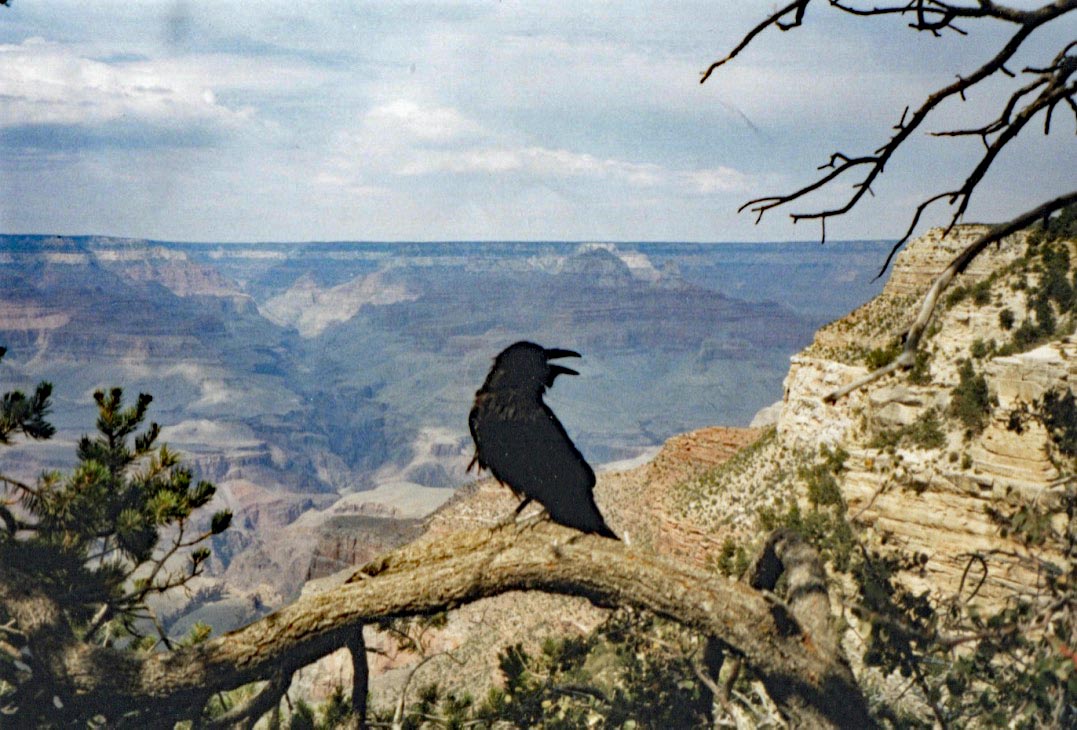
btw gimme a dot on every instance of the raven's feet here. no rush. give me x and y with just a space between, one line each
531 522
505 521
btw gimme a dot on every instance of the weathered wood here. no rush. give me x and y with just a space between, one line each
452 570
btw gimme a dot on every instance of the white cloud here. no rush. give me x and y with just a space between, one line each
538 161
541 162
722 179
435 124
49 83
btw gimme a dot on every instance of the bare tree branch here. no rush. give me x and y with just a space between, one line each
927 307
796 7
932 16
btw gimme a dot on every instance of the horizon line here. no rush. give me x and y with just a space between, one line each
449 241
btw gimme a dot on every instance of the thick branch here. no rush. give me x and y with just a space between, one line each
457 569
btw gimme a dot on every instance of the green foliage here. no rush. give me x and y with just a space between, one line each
112 507
980 293
1045 317
883 356
732 559
337 710
920 372
899 618
1054 283
970 401
26 415
1014 667
924 433
824 524
823 488
980 349
1051 302
1006 318
199 633
634 671
1061 226
302 717
1025 337
91 539
1059 413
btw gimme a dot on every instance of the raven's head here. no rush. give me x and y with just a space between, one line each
526 366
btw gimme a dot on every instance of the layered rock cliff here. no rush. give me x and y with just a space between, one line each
938 499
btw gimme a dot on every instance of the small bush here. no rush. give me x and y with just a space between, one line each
1054 285
920 372
1045 317
970 401
923 433
732 559
981 349
1006 318
1059 413
882 356
981 293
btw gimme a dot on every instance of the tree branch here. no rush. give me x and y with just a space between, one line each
958 264
797 7
931 16
427 578
360 676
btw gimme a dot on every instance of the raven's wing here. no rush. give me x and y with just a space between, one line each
527 448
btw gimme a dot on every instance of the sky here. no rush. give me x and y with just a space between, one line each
224 121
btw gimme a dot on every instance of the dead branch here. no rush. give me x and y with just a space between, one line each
927 306
425 578
931 16
796 7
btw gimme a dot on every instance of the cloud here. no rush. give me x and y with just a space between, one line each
405 139
43 83
536 161
434 124
722 179
539 162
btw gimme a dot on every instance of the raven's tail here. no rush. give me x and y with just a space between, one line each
595 524
603 530
583 517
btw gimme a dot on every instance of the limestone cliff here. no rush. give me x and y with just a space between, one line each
938 501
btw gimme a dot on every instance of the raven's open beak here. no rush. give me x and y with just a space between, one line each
554 353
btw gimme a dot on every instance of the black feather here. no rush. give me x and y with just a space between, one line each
519 439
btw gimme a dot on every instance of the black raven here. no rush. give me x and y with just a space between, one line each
519 439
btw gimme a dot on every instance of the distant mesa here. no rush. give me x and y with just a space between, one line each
600 265
310 309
